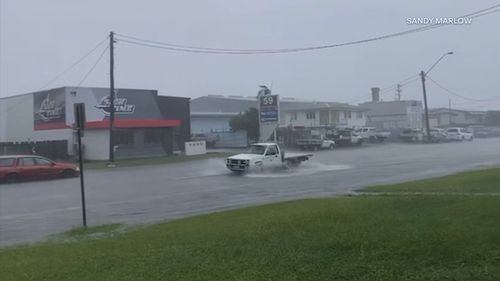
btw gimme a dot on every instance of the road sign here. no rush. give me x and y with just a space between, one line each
80 127
80 119
269 109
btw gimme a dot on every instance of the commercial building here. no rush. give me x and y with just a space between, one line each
146 124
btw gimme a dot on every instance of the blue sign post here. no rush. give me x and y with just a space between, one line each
269 109
269 115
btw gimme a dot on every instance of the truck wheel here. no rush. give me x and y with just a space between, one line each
291 164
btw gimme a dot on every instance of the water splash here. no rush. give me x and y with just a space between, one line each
303 170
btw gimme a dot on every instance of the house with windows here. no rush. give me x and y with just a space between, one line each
321 114
212 113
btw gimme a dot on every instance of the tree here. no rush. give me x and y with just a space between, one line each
248 121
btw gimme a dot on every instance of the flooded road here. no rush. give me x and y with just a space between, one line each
30 211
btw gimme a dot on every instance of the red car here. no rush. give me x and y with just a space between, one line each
29 167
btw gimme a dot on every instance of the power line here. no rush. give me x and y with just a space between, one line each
65 71
458 95
389 88
207 50
74 64
93 66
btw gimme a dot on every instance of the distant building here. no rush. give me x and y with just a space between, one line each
443 117
212 113
394 114
146 124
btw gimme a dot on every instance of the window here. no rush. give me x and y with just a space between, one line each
257 149
124 137
293 116
27 161
5 162
347 115
311 115
152 136
43 162
359 114
272 150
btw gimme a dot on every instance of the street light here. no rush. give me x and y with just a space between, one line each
422 75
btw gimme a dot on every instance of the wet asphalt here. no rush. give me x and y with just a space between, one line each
31 211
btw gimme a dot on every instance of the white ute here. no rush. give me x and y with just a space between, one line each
264 156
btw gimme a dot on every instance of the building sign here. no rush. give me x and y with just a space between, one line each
49 110
269 109
121 105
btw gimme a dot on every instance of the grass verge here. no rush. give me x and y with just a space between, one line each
154 160
416 237
480 181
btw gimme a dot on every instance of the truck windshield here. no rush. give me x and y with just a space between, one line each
257 149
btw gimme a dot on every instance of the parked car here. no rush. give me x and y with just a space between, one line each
459 134
315 142
437 135
346 137
412 135
372 134
31 167
479 131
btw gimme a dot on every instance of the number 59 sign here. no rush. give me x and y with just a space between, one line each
268 109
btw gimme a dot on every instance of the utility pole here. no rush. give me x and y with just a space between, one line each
427 127
398 91
449 111
111 96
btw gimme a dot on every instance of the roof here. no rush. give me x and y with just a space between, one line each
214 114
18 156
71 88
443 110
213 104
221 104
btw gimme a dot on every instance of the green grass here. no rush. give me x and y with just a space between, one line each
486 181
154 160
397 237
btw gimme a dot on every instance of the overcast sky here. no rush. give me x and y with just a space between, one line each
39 39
